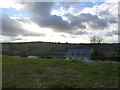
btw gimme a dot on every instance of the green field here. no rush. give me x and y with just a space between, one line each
58 50
19 72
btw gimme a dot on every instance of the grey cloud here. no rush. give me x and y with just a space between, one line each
54 22
107 15
63 36
43 18
14 38
39 8
98 24
113 32
33 34
67 5
103 13
75 22
57 24
80 32
9 39
92 20
113 20
10 27
23 20
13 28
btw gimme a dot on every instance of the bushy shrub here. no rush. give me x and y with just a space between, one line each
48 57
115 59
42 56
106 58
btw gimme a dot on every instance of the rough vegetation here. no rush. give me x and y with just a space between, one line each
21 72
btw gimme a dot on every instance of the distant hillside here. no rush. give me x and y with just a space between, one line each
56 50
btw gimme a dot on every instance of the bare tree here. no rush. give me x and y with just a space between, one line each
97 47
96 39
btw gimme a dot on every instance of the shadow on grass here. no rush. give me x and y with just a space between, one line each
61 85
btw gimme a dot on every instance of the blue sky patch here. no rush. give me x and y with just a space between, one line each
19 13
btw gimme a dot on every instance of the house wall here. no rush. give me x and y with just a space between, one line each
77 58
67 58
84 58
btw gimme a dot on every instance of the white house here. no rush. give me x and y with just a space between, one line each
78 54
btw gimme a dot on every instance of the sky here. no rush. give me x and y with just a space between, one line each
59 21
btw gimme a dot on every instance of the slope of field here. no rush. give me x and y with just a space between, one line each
56 50
19 72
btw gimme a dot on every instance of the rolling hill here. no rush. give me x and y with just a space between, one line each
56 50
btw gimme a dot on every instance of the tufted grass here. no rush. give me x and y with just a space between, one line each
19 72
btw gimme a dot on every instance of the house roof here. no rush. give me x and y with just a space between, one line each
78 53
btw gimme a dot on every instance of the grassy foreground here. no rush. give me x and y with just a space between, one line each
21 72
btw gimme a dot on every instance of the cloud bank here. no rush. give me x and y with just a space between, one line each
72 19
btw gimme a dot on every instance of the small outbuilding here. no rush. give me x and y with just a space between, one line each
32 57
78 54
